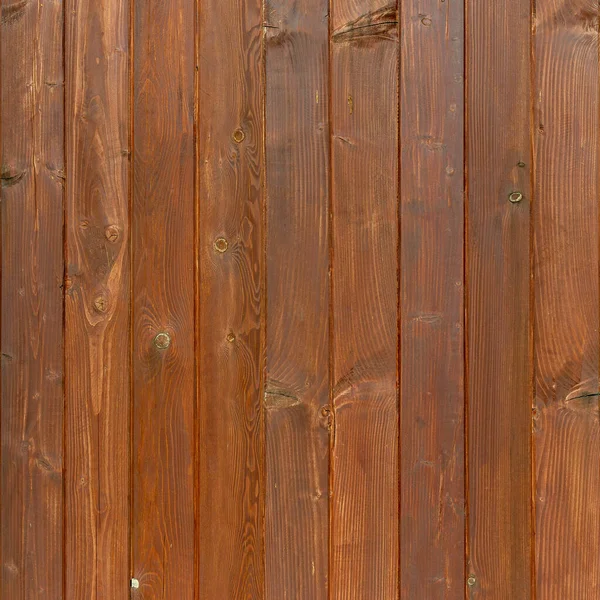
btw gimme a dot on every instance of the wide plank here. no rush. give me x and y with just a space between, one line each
231 300
567 442
364 154
97 301
432 502
500 357
297 411
31 340
163 257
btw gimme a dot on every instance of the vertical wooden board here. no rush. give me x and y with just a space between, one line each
297 265
97 300
432 513
498 275
364 146
566 266
32 177
163 304
230 352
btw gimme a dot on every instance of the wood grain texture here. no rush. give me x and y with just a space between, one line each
32 177
97 301
432 513
163 287
567 444
364 146
297 411
231 300
499 327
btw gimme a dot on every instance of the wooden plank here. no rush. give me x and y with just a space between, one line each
97 300
163 307
32 176
432 514
567 444
499 325
364 146
231 299
297 265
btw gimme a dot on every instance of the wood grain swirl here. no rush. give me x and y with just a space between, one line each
31 341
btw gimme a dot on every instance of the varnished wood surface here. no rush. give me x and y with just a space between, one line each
31 337
97 301
299 300
296 400
432 501
499 361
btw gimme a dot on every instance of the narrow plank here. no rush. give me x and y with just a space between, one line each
364 147
163 305
567 444
297 265
500 359
432 513
97 300
32 176
231 300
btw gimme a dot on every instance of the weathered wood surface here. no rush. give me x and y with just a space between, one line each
299 300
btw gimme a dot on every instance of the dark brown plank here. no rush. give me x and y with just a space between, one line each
97 300
567 444
32 176
230 352
163 307
499 327
364 146
432 513
297 265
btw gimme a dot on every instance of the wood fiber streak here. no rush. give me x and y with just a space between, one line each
231 353
432 500
32 177
364 506
163 287
499 362
297 414
567 445
97 301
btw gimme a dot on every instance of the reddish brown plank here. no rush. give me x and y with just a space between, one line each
364 146
567 445
32 176
97 300
163 305
499 327
230 351
432 512
297 264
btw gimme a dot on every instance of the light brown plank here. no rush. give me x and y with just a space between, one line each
364 479
97 301
32 176
567 445
499 324
432 502
231 300
297 411
163 307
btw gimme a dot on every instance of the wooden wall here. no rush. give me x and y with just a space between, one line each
299 300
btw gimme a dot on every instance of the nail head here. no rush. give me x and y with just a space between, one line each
230 338
162 340
471 581
134 583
